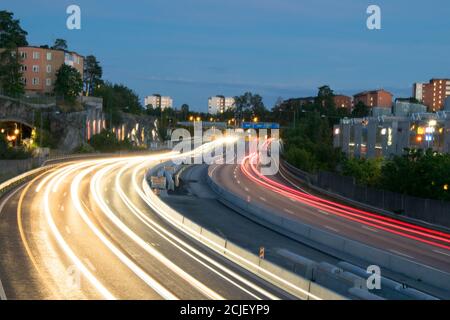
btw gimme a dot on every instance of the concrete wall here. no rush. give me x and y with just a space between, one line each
290 282
330 242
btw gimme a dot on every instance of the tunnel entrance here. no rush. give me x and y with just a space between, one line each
16 133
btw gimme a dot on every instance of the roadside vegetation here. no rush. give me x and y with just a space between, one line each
10 153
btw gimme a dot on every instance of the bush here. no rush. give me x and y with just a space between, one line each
366 172
84 148
8 153
106 141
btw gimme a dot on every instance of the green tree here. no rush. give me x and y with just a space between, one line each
92 75
419 173
60 44
68 83
11 33
118 98
360 110
249 105
184 111
313 136
11 74
12 36
365 171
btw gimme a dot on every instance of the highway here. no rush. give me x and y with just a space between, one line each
83 231
279 195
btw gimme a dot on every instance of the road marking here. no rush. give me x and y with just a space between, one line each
440 252
239 182
263 199
288 211
246 189
68 230
400 253
89 264
4 202
2 206
369 228
292 199
323 212
2 292
332 229
292 183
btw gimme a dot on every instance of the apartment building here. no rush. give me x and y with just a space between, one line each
342 101
158 101
432 94
220 104
375 98
40 65
390 135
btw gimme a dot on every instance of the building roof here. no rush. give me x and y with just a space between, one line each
49 48
371 92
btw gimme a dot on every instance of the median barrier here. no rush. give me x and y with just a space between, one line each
337 245
290 282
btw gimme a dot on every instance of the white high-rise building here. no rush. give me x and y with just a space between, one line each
220 104
157 100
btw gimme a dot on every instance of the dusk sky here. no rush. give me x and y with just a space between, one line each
192 49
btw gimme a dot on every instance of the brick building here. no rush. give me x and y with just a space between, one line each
40 65
432 94
376 98
342 101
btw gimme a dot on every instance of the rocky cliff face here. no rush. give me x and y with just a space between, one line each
73 128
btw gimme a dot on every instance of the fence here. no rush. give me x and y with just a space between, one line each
428 210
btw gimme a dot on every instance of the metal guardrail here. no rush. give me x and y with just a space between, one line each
51 162
312 182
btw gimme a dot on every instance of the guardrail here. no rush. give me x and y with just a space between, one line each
341 247
312 181
292 283
10 184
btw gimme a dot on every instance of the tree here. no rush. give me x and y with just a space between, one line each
419 173
60 44
11 33
325 101
360 110
184 111
249 105
11 74
365 171
92 75
12 36
116 98
309 145
68 83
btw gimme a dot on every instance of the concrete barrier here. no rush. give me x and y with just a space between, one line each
290 282
338 245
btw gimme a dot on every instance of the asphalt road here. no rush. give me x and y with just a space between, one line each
82 231
232 178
